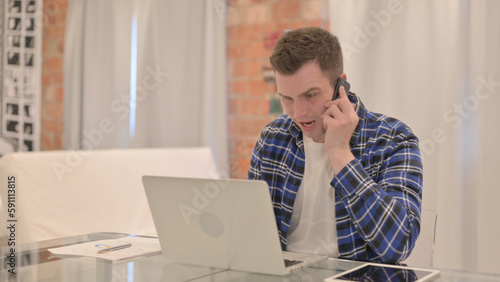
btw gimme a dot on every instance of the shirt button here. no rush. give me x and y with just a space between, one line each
295 182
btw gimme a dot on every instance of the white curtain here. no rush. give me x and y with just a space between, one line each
172 95
435 65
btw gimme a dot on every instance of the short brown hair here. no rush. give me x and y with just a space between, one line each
297 47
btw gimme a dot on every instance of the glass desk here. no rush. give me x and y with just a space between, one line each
35 263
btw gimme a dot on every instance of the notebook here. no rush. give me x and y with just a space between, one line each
221 223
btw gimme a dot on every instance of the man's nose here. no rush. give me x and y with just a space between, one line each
300 109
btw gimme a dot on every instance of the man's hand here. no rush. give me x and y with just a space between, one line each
340 121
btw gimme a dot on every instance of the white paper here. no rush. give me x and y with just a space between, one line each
140 246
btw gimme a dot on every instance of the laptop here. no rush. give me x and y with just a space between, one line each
221 223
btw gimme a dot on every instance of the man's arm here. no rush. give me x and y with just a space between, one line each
385 209
254 172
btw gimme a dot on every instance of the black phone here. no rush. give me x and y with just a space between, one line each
340 82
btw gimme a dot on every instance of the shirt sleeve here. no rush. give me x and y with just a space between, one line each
385 205
254 172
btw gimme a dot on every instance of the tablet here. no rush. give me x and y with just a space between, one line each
384 272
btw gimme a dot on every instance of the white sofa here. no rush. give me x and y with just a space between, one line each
65 193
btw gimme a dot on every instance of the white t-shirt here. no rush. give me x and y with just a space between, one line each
312 227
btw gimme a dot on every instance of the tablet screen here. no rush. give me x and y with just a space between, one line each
381 272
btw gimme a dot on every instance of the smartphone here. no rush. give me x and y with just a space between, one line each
340 82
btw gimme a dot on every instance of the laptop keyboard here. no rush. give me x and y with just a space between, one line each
290 262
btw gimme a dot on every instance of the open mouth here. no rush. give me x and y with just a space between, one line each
308 124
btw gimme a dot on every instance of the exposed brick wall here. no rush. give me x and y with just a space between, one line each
54 24
253 26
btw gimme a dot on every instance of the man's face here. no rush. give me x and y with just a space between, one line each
303 97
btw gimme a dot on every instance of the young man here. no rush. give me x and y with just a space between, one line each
344 181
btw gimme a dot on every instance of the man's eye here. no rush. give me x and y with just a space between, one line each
310 95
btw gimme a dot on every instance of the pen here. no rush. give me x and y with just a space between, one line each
115 248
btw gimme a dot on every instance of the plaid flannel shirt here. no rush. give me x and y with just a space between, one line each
377 196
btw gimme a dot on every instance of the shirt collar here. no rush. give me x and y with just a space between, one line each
361 112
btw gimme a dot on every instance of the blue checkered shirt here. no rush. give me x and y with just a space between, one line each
377 196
